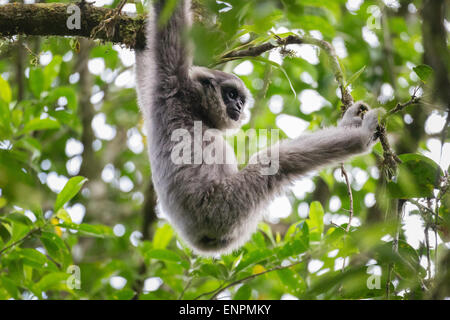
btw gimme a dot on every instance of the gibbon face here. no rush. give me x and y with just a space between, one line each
225 97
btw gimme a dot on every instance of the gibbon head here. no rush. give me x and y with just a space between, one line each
223 97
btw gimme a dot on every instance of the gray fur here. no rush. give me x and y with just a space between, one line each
216 208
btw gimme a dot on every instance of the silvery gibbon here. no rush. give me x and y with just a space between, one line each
216 207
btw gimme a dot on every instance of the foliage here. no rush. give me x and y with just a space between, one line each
65 209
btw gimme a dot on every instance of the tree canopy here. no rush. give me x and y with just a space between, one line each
78 213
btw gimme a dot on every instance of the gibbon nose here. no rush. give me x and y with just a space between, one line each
239 105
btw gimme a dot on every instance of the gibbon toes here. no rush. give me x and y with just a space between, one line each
354 115
359 115
370 121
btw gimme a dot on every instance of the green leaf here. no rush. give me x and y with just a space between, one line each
19 218
51 71
244 293
315 221
5 90
416 178
410 261
63 215
32 257
55 280
3 202
139 8
312 22
68 92
292 281
162 237
297 241
98 230
253 258
258 239
124 294
56 248
355 76
109 55
5 235
16 117
424 72
5 120
163 254
208 270
10 286
36 81
40 124
69 191
95 230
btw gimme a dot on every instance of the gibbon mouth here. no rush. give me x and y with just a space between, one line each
234 113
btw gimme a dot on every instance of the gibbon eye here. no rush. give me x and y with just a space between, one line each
232 94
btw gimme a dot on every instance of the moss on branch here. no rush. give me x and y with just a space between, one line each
49 19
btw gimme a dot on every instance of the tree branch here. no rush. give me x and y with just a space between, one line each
391 160
400 106
29 234
49 19
245 279
350 196
253 51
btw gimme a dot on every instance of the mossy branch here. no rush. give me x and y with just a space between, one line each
50 19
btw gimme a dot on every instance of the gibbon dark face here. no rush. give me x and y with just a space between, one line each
224 97
234 101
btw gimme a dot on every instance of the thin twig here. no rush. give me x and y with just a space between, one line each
254 51
222 288
29 234
391 160
427 243
436 216
400 106
188 284
108 24
421 206
350 196
337 226
398 225
253 276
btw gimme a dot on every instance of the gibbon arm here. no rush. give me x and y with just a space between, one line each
165 61
170 44
301 155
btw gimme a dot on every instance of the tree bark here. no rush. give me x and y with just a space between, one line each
436 52
90 167
50 19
